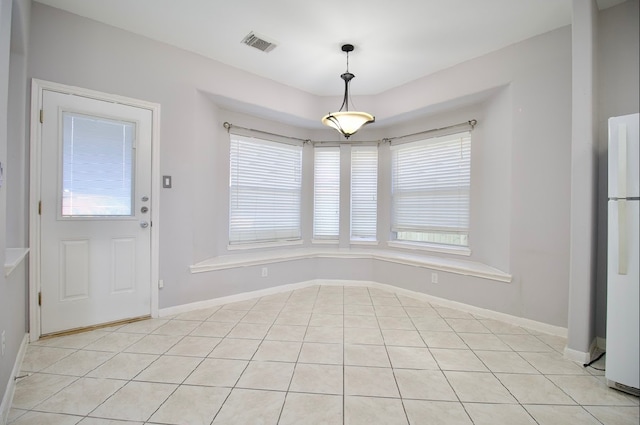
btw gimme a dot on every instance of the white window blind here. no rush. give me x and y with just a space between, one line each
264 190
326 193
430 189
98 164
364 192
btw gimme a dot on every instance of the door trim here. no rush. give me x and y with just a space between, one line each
37 88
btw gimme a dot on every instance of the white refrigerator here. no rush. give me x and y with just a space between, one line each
623 278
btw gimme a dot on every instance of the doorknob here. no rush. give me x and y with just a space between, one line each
144 224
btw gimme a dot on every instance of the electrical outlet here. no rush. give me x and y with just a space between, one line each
160 284
3 342
434 278
265 272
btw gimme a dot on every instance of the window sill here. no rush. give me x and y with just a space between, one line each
325 241
249 246
13 258
455 250
450 265
363 243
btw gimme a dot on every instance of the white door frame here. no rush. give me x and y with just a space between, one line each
37 87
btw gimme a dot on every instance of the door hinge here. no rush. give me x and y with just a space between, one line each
39 207
40 298
41 116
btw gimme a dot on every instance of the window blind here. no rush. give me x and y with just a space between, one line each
98 165
364 192
326 193
430 189
264 190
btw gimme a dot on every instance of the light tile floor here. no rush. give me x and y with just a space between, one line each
319 355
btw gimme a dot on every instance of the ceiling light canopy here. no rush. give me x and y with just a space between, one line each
347 122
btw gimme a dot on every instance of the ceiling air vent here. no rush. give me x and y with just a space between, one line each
258 42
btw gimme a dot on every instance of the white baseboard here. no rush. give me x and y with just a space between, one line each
490 314
581 356
11 385
576 356
244 296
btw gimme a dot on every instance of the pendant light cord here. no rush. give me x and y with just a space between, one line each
347 95
347 61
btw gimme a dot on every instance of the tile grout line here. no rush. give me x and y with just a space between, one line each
161 356
187 376
440 367
284 402
386 349
145 368
243 370
344 355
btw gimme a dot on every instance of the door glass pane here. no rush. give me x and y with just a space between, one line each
97 166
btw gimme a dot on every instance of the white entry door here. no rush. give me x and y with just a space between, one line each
95 219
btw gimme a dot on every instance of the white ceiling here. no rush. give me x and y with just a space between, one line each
395 41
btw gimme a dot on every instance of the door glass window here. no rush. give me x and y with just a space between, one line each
97 166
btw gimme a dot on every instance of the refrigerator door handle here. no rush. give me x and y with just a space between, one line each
622 160
622 237
622 203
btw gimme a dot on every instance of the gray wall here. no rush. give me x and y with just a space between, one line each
583 178
14 29
521 150
618 88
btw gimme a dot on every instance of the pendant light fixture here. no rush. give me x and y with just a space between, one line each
347 122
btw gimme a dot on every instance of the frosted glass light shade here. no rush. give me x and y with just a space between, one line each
347 122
